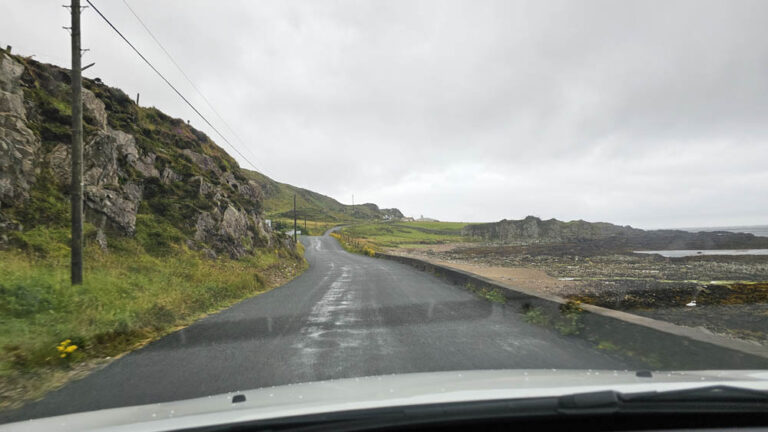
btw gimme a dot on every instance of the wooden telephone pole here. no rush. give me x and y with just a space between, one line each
76 191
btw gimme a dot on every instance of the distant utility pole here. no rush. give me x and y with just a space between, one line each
76 191
295 237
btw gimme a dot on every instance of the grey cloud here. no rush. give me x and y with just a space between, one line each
650 113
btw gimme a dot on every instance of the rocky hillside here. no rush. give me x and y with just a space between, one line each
533 230
146 174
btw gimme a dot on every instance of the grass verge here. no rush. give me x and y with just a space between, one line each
128 298
354 245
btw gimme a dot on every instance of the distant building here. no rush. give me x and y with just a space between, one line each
423 219
408 219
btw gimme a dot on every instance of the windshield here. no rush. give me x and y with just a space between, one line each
207 197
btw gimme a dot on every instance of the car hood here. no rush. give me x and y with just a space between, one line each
381 392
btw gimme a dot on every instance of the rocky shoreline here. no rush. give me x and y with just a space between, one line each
730 293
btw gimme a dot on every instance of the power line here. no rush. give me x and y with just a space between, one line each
169 84
189 80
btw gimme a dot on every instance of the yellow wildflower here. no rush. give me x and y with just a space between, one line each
60 347
70 348
63 355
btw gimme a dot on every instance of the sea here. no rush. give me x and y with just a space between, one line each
695 252
758 230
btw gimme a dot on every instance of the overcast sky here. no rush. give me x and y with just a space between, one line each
649 113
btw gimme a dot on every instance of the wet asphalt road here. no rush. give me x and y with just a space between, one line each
347 316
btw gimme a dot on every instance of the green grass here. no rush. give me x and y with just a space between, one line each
491 294
535 315
128 297
314 228
397 234
455 227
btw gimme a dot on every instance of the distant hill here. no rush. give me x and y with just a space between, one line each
533 230
278 202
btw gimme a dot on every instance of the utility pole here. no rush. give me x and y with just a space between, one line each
295 237
76 191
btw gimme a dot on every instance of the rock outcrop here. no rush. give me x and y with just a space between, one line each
95 108
392 213
204 162
169 176
232 231
601 235
114 209
107 155
136 161
534 230
19 146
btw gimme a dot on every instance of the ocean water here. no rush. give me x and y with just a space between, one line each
694 252
758 230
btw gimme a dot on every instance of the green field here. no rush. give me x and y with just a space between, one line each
453 227
400 234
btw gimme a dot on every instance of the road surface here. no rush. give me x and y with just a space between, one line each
347 316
